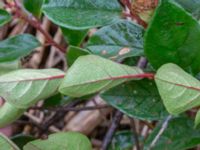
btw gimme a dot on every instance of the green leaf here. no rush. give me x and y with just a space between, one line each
57 100
117 41
6 144
73 53
53 101
9 66
90 74
82 14
122 140
20 140
137 99
9 113
16 47
61 141
74 37
131 61
178 89
192 6
5 17
33 6
197 119
173 36
23 88
179 135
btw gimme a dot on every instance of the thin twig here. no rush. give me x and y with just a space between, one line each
135 135
115 123
30 122
18 12
142 63
163 127
76 109
56 117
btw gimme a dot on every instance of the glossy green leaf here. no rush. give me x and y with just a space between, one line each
137 99
33 6
131 61
197 119
173 36
117 41
82 14
198 76
61 141
57 100
192 6
16 47
9 66
122 140
178 89
74 37
53 101
20 140
5 17
22 88
73 53
90 74
179 135
6 144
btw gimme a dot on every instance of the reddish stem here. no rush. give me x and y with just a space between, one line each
135 76
145 75
181 85
156 2
36 24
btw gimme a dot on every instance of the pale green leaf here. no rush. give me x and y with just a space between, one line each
82 14
5 17
9 66
22 88
178 89
90 74
6 144
118 41
1 4
9 113
61 141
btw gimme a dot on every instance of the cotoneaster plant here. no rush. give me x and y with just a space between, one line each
161 86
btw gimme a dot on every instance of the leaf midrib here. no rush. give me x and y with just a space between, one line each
125 77
180 85
37 79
